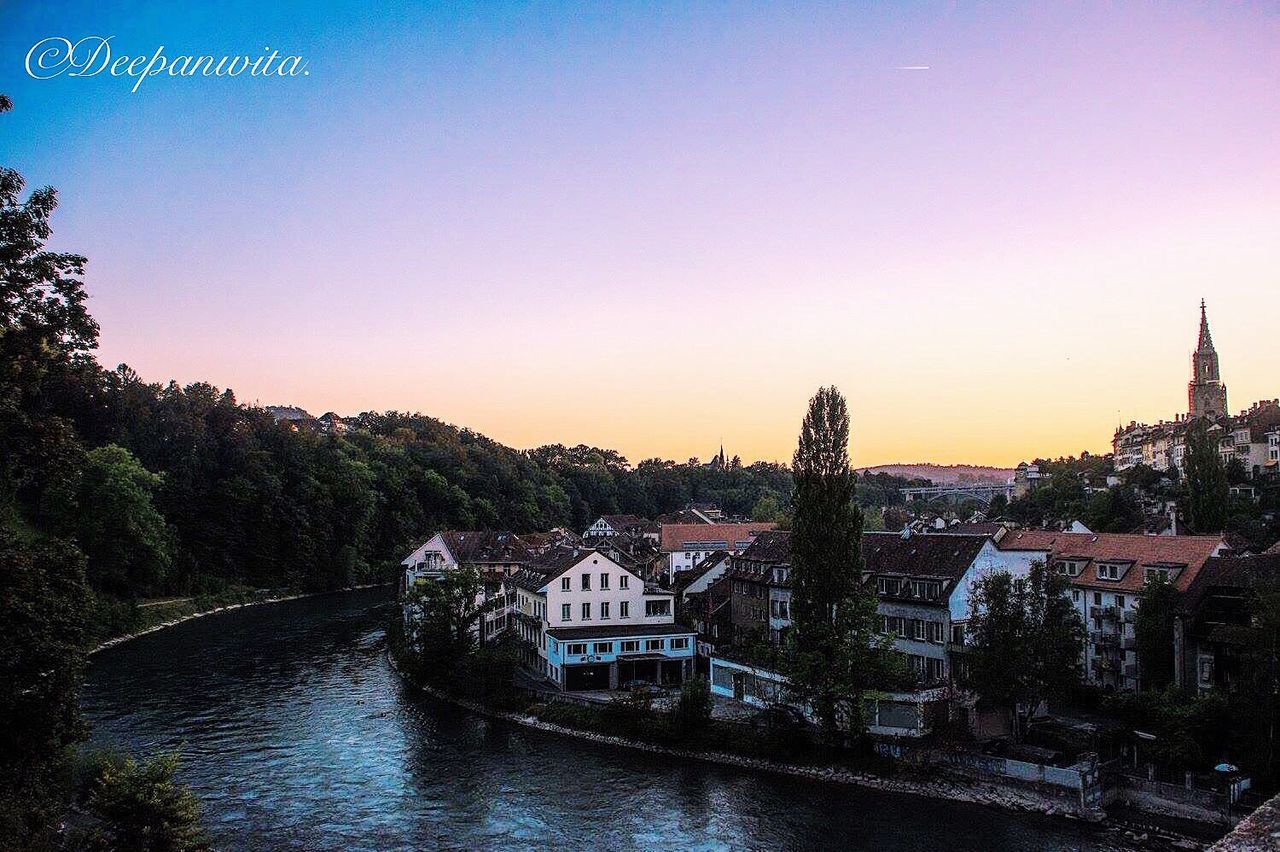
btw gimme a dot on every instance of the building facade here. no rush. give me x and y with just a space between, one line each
586 622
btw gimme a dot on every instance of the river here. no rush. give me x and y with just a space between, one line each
295 734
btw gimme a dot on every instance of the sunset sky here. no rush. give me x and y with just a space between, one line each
656 226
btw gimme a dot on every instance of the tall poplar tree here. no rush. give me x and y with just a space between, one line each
1206 475
832 660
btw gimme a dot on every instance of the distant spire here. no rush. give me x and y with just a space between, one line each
1206 339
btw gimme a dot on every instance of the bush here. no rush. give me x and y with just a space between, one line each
696 703
139 807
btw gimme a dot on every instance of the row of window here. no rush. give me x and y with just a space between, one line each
651 609
895 587
566 582
913 628
927 668
626 646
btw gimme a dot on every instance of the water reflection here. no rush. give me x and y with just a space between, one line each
296 735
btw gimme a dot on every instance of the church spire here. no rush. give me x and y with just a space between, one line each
1206 339
1206 395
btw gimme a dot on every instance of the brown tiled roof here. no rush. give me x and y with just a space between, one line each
682 579
772 546
485 546
1142 550
625 523
921 555
1230 572
675 536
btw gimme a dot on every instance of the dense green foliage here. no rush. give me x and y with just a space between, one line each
833 647
1025 639
1153 633
139 806
1206 503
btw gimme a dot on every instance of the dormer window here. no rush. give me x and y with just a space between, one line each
1110 571
1069 567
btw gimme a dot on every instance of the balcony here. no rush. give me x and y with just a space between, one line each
1104 612
1130 616
1108 641
1131 670
1129 643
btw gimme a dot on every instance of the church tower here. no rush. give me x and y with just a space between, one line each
1206 395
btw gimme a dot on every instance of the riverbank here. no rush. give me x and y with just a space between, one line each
228 607
1010 796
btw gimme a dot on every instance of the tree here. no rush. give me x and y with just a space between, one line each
767 508
1153 632
117 524
831 654
42 632
1206 480
442 621
142 807
696 703
1025 640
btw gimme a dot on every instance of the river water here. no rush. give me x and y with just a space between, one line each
296 735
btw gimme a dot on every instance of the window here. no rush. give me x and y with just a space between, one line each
604 581
564 584
917 629
622 581
884 624
1108 572
631 646
1097 598
586 611
784 609
887 585
933 669
653 644
957 634
604 609
575 648
652 608
1075 596
624 609
586 582
680 643
602 648
935 632
1120 601
565 612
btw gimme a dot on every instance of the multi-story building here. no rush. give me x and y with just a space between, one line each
631 525
685 545
1246 436
1106 572
588 623
495 555
922 581
1215 626
924 584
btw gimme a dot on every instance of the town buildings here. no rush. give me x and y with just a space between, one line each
685 545
585 622
1252 436
1106 572
1217 624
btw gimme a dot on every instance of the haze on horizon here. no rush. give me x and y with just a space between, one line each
657 229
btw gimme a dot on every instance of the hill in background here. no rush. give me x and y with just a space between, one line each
944 474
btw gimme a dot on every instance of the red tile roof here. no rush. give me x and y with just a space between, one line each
676 536
1141 550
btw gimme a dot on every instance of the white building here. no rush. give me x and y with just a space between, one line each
589 623
685 545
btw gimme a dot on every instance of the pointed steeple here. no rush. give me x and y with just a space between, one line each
1206 339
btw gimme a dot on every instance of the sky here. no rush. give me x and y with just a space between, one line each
658 227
